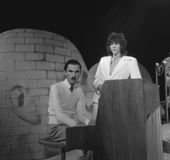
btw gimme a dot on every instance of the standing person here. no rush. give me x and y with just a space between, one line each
67 103
114 66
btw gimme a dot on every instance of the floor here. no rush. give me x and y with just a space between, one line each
73 155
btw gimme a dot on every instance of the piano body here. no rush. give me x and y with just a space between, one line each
128 124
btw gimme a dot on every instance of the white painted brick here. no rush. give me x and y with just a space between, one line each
34 40
37 155
67 58
3 113
22 130
31 101
62 51
53 42
44 100
68 41
46 83
3 92
48 33
43 109
14 56
2 75
45 65
38 129
41 35
60 66
7 66
28 83
24 123
29 138
36 147
32 31
25 65
6 32
24 48
4 132
7 84
37 92
18 30
76 55
7 35
54 58
16 75
2 56
3 103
11 113
15 40
68 46
25 156
3 40
44 48
7 48
34 56
36 74
89 94
45 119
20 149
10 140
25 35
85 88
58 37
4 150
9 122
56 75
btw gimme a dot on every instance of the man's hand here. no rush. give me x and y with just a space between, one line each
92 122
99 88
79 124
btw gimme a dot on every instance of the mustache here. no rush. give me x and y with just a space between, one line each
73 78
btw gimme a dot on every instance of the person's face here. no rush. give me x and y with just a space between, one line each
115 48
72 73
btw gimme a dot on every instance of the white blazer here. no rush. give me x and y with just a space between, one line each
126 68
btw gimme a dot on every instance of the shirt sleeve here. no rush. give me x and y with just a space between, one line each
58 109
81 109
98 76
134 69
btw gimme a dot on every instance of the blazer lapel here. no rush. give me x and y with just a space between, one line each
120 66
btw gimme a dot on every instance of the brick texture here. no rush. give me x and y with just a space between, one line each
33 59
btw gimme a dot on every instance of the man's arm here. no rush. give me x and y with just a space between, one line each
134 69
58 109
98 82
81 109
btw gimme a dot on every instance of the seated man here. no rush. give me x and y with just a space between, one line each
67 103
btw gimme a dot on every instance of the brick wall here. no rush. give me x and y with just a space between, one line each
31 61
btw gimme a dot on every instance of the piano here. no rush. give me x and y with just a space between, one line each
128 125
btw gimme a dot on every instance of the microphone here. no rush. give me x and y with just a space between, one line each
164 62
158 68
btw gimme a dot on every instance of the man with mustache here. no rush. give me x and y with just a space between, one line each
67 103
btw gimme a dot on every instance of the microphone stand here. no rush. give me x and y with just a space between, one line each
160 69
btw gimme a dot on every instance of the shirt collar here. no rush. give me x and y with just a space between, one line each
69 85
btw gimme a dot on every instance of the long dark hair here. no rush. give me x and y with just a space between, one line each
116 38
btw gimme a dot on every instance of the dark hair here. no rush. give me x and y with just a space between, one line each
72 61
117 38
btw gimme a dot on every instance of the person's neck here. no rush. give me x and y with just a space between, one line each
116 56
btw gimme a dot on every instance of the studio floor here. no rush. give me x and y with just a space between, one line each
73 155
